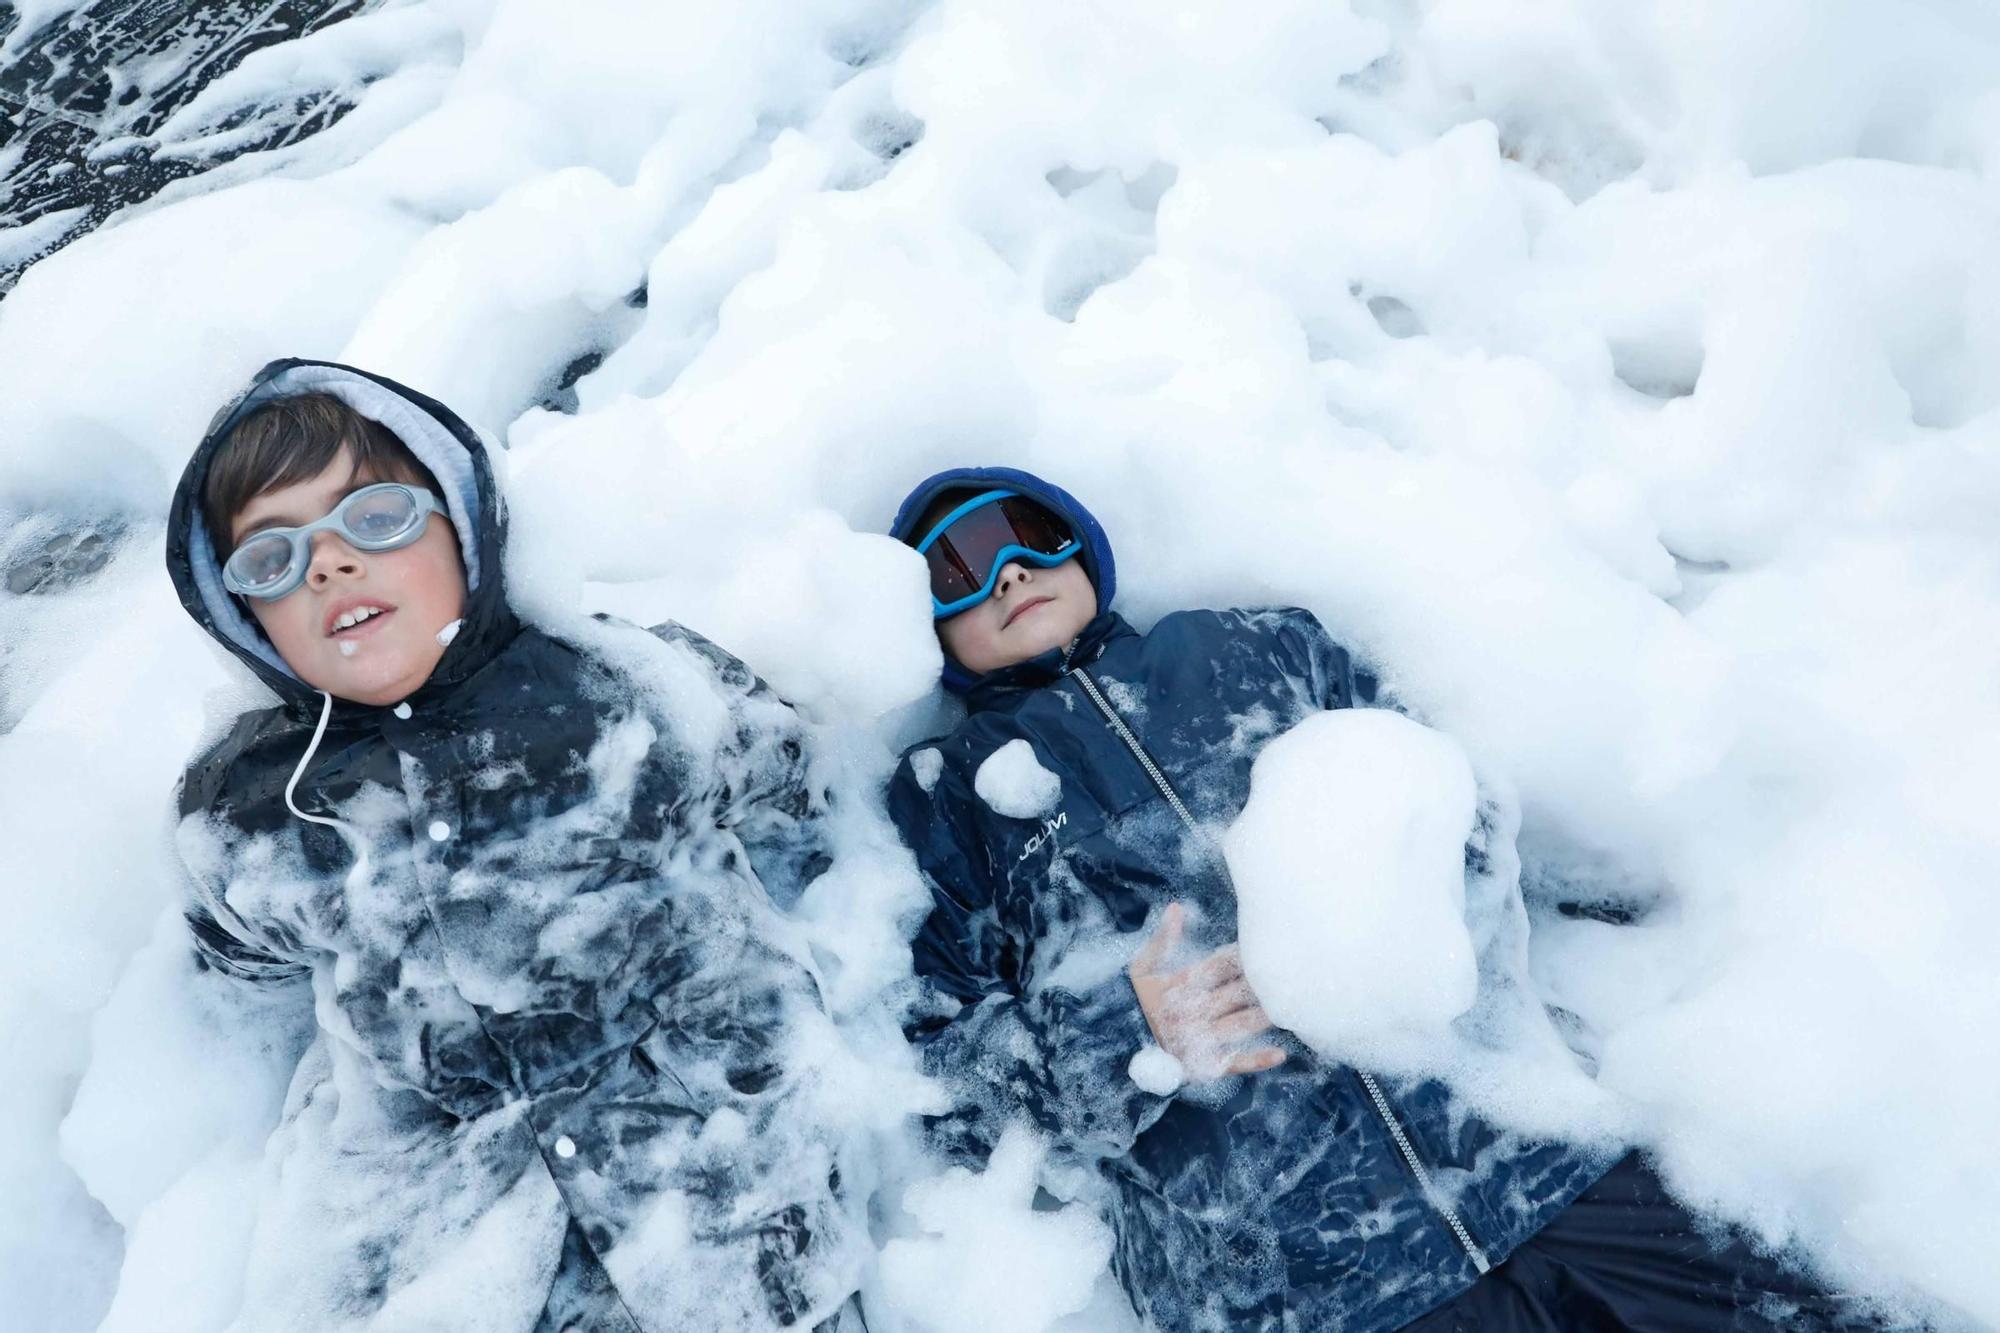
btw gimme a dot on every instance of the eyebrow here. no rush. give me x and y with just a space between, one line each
356 479
274 521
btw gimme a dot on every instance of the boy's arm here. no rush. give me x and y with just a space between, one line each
223 941
1493 906
1059 1056
770 796
1322 663
742 1042
218 949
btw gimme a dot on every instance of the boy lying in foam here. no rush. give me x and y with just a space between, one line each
564 1078
1272 1190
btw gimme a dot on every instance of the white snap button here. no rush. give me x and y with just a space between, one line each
401 710
565 1146
439 830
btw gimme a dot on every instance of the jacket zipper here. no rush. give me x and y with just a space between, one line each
1375 1095
1424 1181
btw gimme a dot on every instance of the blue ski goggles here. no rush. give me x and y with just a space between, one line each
967 548
272 563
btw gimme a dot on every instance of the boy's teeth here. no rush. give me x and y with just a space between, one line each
349 619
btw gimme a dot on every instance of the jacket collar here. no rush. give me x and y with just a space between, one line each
995 688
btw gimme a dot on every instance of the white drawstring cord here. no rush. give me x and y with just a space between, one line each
319 733
347 831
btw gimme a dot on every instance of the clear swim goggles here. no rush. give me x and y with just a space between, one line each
272 563
967 548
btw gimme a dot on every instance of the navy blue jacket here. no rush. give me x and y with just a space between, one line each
1310 1196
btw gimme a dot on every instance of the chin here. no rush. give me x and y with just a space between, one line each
377 683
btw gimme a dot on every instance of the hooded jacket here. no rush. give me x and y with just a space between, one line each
1306 1197
566 1073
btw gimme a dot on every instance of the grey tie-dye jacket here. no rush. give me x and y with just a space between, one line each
571 1072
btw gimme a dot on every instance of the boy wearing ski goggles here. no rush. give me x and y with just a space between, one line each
1069 820
1005 584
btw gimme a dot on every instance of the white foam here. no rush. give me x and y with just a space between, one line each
1350 881
1013 782
1618 383
984 1260
1156 1071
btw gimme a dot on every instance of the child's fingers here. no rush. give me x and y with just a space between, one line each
1225 1000
1243 1023
1255 1062
1218 969
1165 939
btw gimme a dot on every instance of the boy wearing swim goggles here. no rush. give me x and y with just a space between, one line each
339 547
531 894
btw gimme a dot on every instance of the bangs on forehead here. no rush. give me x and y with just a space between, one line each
399 466
294 440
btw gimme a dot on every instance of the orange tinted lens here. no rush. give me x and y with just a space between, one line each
950 579
964 554
1034 527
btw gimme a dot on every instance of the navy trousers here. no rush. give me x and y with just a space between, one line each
1626 1256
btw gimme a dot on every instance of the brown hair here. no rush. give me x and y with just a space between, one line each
294 440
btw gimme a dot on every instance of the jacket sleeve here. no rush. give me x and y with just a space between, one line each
771 797
758 1160
223 941
1056 1055
219 949
1323 665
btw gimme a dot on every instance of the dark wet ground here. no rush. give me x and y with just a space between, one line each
81 98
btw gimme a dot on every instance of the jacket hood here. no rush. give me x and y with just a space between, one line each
440 440
1096 554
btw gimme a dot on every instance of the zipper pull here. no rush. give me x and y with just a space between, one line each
1069 649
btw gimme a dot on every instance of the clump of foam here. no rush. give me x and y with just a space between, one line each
1155 1070
1013 782
1349 862
987 1261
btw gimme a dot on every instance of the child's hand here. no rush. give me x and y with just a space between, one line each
1203 1013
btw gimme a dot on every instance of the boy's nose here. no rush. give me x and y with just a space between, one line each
1010 574
330 556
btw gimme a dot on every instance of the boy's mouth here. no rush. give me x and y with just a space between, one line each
352 619
1023 610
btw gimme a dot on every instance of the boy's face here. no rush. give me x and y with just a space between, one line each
416 591
1031 611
